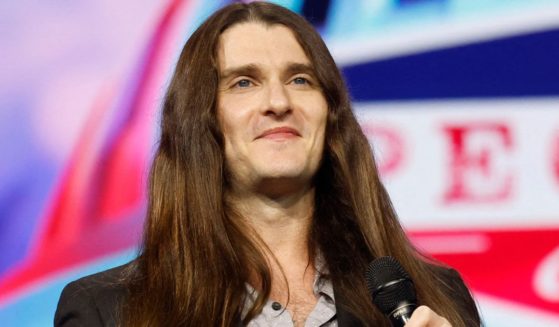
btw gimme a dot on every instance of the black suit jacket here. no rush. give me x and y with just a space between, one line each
93 300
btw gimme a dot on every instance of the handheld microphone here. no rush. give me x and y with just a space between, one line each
391 289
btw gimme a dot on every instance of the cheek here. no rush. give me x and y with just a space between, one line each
233 116
226 122
233 130
321 119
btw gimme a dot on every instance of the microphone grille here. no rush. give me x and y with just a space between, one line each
384 270
389 284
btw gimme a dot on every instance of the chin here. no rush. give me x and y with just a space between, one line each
295 173
283 173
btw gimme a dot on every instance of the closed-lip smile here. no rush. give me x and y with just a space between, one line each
279 132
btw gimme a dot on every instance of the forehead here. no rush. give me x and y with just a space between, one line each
256 43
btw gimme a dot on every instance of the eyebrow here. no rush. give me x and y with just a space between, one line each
250 69
300 68
254 70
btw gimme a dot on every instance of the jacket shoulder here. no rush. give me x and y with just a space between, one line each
93 300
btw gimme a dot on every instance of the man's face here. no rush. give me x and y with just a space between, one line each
270 107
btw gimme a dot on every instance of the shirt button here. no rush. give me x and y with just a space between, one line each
276 306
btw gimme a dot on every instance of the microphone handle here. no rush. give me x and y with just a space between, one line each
401 315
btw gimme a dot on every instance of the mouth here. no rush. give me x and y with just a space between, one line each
279 133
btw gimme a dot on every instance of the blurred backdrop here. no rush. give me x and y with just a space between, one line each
459 97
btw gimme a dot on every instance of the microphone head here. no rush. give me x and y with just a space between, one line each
389 284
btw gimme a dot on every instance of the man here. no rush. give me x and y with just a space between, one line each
265 205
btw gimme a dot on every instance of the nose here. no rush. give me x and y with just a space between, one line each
277 102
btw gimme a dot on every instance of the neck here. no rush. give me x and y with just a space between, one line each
282 222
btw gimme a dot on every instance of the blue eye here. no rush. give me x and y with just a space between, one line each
300 80
243 83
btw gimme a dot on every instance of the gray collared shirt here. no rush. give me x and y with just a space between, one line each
322 315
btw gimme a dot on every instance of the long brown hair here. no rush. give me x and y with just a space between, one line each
196 257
